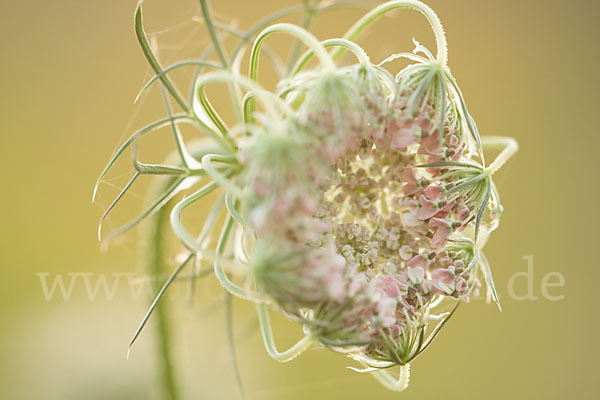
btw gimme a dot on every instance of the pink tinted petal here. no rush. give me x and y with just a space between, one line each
443 274
351 142
282 205
433 191
410 188
336 288
439 223
406 202
386 309
353 267
334 279
416 274
442 214
417 261
430 145
404 137
410 220
448 289
453 141
405 252
425 202
374 288
428 208
463 213
442 228
358 284
408 175
390 287
461 285
439 238
308 205
424 122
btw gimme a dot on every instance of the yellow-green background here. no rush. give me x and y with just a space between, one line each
69 73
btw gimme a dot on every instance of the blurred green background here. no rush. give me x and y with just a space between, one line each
70 72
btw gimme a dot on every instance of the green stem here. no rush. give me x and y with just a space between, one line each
212 32
307 38
231 342
386 379
261 25
153 61
309 14
360 54
156 267
271 102
172 67
265 326
510 148
303 35
140 132
186 238
371 16
210 26
231 287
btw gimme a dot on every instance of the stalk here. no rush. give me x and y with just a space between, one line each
156 267
434 21
309 14
510 147
212 32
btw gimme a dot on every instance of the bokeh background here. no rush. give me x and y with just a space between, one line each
70 72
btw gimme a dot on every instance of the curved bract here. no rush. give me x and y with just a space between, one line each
356 203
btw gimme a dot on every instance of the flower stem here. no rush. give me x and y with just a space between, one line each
153 61
389 382
360 54
510 148
156 268
265 327
212 32
231 287
371 16
306 37
309 13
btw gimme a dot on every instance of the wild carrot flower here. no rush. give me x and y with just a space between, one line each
357 202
